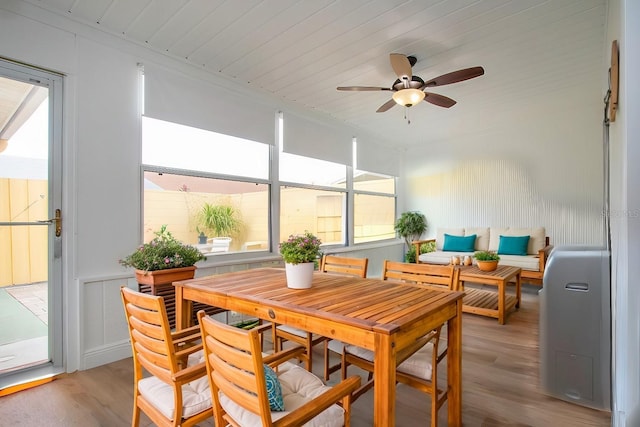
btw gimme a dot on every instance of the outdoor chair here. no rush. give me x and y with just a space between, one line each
176 393
249 388
342 265
417 365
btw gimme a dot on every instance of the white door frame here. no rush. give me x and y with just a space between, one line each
54 82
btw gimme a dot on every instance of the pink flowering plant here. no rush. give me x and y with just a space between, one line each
163 252
301 248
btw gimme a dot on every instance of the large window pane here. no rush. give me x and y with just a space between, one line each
317 211
305 170
183 147
374 182
374 217
179 201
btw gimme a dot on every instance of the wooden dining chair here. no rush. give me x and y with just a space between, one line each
174 390
418 364
249 388
282 333
427 274
341 265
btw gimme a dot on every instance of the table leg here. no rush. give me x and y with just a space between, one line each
454 368
384 376
183 310
502 289
518 289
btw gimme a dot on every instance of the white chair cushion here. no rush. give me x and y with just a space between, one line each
298 387
196 396
418 364
336 346
295 331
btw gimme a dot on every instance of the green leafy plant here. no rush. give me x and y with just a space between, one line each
301 248
163 252
219 220
410 226
410 255
486 256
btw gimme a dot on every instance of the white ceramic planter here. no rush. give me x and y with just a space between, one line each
299 276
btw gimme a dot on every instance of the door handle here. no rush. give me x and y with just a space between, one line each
57 220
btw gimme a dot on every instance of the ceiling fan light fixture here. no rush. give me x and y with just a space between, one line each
408 97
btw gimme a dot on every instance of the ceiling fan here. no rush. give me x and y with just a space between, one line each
408 90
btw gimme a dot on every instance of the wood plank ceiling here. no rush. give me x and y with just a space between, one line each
300 51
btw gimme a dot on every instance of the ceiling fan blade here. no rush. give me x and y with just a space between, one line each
384 107
455 77
439 100
401 65
362 88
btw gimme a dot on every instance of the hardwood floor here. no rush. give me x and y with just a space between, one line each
500 387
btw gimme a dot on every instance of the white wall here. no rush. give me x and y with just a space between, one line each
541 167
623 19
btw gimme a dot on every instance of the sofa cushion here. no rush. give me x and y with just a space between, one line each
442 231
537 238
513 245
482 239
274 389
527 262
537 241
441 257
459 243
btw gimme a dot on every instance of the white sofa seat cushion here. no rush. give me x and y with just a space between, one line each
525 262
295 331
418 364
196 396
441 257
528 262
298 387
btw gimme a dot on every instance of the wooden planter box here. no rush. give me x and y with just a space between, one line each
160 283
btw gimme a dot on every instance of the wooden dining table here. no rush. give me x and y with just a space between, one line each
381 316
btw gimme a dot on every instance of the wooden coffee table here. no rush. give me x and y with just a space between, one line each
487 302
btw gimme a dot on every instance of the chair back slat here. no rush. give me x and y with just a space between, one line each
145 313
428 274
345 265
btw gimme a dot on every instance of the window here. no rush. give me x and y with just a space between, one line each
197 179
211 190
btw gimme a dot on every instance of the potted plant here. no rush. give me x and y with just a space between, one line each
410 226
300 254
163 260
220 222
486 260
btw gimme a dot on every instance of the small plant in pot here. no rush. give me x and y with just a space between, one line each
300 254
219 220
486 260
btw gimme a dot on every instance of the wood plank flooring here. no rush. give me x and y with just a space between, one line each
500 387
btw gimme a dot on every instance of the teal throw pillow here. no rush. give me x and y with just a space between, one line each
274 389
513 245
454 243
